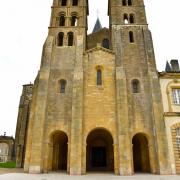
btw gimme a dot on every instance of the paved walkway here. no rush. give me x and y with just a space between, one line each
63 176
10 170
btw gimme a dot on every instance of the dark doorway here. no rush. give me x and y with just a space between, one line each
60 149
141 154
99 157
99 152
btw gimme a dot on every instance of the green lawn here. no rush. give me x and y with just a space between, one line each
8 165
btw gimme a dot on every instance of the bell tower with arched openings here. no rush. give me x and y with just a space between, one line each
68 20
96 99
59 81
138 95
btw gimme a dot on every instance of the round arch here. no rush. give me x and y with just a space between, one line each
99 150
59 150
141 159
147 135
175 136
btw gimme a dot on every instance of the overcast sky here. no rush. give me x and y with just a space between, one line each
24 28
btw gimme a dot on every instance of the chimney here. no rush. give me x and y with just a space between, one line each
174 65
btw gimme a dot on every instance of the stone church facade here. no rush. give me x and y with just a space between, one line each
96 102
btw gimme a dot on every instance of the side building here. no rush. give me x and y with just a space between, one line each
170 88
6 148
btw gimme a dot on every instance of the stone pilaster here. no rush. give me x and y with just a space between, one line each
77 112
125 156
124 142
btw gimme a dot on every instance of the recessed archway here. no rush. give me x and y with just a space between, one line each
99 151
60 151
141 160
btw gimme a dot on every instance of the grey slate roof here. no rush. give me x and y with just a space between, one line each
97 26
168 67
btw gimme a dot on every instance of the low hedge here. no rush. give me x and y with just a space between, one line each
8 165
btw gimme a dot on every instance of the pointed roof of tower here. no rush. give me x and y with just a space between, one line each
97 26
168 67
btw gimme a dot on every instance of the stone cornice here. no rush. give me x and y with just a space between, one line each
99 48
172 114
169 75
5 138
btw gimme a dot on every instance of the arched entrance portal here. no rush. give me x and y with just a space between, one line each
140 153
99 152
60 149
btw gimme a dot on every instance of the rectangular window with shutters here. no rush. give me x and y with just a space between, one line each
176 96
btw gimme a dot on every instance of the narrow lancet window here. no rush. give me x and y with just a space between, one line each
135 86
129 2
74 20
124 2
99 77
63 2
62 20
62 86
131 37
60 39
126 19
131 18
74 2
70 39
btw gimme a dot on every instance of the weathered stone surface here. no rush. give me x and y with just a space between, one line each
131 114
